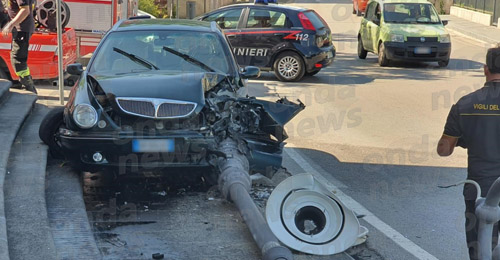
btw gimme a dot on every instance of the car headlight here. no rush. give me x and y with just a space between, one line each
445 38
85 116
397 38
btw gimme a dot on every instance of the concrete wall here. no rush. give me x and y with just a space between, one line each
470 15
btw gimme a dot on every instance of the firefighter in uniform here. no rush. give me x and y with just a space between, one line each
474 123
22 25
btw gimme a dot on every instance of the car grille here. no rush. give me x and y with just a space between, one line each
419 39
156 108
174 110
137 107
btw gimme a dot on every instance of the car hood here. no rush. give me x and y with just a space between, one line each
416 30
183 87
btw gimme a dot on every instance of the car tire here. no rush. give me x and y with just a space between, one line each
289 66
361 50
312 73
48 131
382 58
443 63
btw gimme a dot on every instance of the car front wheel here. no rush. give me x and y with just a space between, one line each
289 67
361 50
382 58
48 131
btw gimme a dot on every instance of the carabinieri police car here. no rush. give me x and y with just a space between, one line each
290 41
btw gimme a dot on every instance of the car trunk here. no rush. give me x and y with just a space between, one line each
323 32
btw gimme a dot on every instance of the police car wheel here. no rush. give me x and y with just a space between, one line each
361 50
289 67
382 58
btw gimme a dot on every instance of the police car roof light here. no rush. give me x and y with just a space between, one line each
266 2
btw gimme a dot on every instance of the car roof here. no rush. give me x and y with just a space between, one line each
270 6
164 24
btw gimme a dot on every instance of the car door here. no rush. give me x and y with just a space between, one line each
364 31
263 31
229 21
373 28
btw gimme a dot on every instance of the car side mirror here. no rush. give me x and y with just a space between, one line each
250 72
75 69
445 22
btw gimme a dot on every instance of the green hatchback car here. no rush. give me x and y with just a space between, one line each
404 30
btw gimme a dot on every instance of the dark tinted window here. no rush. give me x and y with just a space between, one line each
370 10
316 20
259 18
226 19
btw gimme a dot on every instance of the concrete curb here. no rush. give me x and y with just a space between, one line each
4 90
12 115
28 227
70 226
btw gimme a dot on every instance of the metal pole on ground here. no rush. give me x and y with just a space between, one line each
60 54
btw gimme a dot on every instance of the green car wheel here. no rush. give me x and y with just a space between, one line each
361 50
382 58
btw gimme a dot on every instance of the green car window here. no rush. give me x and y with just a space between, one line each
410 13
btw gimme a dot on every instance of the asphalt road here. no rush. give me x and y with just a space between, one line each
372 132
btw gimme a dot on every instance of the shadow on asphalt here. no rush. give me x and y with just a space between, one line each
405 197
348 69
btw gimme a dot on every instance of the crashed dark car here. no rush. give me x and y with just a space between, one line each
164 93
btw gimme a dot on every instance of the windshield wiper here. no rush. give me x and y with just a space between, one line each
189 59
136 59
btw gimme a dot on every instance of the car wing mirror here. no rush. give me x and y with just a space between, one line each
75 69
445 22
250 72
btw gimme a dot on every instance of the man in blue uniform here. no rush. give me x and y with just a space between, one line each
474 123
22 25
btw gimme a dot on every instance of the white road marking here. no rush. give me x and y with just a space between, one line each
373 220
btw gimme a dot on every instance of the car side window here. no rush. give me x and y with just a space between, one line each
378 14
369 11
259 18
228 19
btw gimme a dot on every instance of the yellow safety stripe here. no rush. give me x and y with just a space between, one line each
479 114
23 73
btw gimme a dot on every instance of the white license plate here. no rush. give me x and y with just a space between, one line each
329 55
153 145
422 50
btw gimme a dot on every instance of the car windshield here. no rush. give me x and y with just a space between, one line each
138 51
410 13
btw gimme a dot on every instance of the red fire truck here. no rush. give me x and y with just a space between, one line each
42 57
84 28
